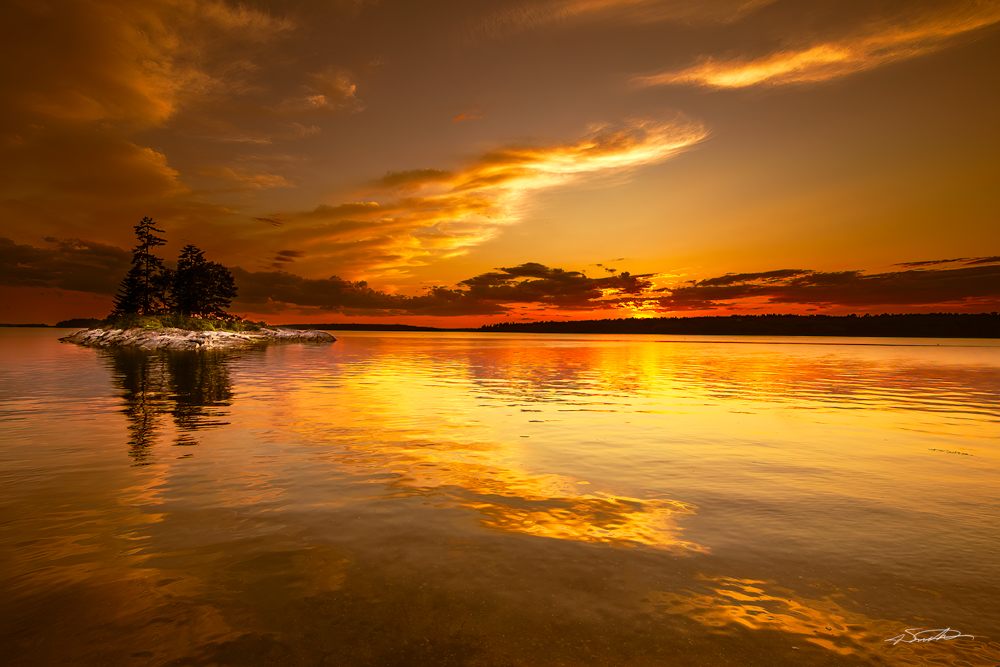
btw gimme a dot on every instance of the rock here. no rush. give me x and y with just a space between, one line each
182 339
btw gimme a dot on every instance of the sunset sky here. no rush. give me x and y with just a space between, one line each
452 163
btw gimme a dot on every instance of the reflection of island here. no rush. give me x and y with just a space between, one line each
186 385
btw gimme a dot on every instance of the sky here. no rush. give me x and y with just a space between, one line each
453 164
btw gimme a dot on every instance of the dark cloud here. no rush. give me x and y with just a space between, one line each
71 264
984 260
931 262
734 278
285 256
965 260
971 285
331 294
277 222
273 291
87 266
486 294
553 287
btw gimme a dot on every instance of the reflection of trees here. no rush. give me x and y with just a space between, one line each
188 385
199 381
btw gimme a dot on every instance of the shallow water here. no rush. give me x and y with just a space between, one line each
492 499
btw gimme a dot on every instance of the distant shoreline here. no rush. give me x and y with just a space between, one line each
933 325
936 325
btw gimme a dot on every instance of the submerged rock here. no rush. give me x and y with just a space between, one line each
182 339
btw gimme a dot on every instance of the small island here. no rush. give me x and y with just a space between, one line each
172 338
158 308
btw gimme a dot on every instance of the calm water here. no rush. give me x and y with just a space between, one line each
463 499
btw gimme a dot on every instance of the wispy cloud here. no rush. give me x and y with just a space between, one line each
244 180
878 43
409 218
330 91
975 285
285 256
528 16
275 222
964 260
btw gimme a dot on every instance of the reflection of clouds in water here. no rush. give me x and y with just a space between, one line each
515 500
825 622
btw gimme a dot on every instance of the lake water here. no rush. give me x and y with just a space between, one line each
500 500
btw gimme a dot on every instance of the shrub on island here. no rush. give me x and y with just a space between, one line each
178 321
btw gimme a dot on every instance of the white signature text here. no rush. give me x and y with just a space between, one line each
911 635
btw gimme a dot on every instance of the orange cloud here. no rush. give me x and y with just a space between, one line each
119 61
247 181
416 216
89 77
331 91
878 44
464 117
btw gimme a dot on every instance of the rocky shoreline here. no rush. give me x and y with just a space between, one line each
182 339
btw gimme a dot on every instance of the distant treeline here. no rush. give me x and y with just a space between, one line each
932 325
367 327
82 322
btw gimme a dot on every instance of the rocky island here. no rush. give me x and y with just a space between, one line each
183 308
183 339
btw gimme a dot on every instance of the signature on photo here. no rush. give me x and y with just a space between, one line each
911 635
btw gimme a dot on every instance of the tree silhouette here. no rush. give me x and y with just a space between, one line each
196 288
142 291
201 288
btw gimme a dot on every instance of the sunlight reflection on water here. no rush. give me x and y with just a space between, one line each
492 499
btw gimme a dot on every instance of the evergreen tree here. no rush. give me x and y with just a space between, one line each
144 286
201 288
128 299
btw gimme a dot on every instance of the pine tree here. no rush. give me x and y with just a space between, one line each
144 286
201 288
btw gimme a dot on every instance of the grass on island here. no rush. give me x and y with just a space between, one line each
178 321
